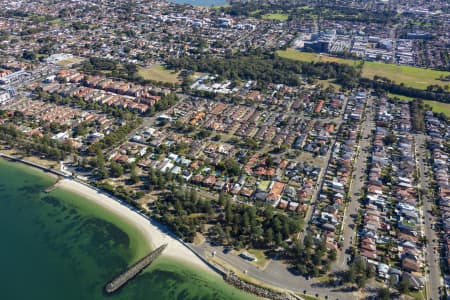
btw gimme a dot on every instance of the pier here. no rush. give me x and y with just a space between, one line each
132 271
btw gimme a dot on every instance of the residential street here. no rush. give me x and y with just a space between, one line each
358 179
434 277
321 178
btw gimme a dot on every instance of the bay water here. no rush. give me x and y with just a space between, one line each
61 246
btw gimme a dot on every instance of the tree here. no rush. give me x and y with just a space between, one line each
269 236
246 222
230 166
384 294
221 199
350 275
134 177
102 172
389 139
228 212
308 241
116 169
332 255
29 55
404 286
278 238
361 280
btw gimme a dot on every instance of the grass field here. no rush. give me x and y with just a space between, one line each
252 13
312 57
276 17
261 259
329 82
159 73
401 97
70 61
410 76
439 107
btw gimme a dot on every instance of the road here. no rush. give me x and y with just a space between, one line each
356 185
276 274
321 178
434 277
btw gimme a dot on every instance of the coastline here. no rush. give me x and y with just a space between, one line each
154 235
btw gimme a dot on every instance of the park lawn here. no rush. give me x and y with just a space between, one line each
261 259
439 107
312 57
158 73
329 82
411 76
275 16
69 61
401 97
252 13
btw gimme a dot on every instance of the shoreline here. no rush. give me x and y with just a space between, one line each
154 235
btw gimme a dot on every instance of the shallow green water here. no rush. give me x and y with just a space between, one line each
60 246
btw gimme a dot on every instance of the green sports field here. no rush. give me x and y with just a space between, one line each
276 17
411 76
159 73
439 107
313 57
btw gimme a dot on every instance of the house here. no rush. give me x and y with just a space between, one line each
383 270
210 181
411 265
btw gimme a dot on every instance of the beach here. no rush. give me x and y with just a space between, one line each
155 236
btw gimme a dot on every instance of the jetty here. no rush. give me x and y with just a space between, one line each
132 271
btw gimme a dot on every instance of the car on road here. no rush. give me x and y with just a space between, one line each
247 256
227 250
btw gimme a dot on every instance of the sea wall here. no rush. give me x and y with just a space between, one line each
235 281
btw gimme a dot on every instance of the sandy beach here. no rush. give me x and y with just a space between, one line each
155 236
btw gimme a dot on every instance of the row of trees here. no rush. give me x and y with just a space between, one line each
267 68
255 226
115 69
417 109
114 137
311 257
239 225
388 85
